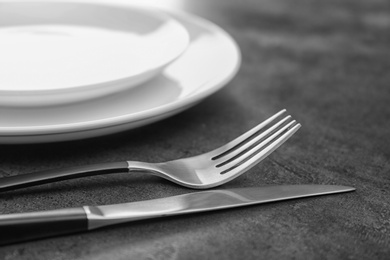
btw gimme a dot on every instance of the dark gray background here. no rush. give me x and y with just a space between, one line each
327 62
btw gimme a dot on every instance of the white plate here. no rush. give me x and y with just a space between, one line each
210 61
53 53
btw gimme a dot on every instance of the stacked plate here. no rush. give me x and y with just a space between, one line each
72 70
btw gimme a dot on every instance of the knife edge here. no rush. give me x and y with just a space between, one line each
196 202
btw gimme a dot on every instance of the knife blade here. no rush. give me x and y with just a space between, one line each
26 226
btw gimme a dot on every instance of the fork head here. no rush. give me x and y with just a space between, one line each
232 159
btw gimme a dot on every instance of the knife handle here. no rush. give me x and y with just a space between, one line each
28 226
37 178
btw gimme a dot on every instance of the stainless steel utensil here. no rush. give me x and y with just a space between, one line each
204 171
26 226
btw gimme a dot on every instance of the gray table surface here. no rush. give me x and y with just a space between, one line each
327 62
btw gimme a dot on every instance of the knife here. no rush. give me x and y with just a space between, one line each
26 226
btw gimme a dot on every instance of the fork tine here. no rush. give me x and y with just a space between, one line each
253 157
221 151
225 166
247 144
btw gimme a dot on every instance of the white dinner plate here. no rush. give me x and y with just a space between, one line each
63 52
210 61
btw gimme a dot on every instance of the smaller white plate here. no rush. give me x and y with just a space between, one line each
56 53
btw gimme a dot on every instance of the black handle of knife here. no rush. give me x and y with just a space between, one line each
37 178
28 226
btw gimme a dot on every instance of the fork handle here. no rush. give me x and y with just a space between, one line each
37 178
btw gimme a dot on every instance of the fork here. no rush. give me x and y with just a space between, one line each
203 171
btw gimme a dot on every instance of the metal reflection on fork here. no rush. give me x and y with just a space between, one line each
204 171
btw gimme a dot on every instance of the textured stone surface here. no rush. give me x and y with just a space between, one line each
327 62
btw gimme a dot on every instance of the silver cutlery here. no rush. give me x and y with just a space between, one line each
27 226
204 171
